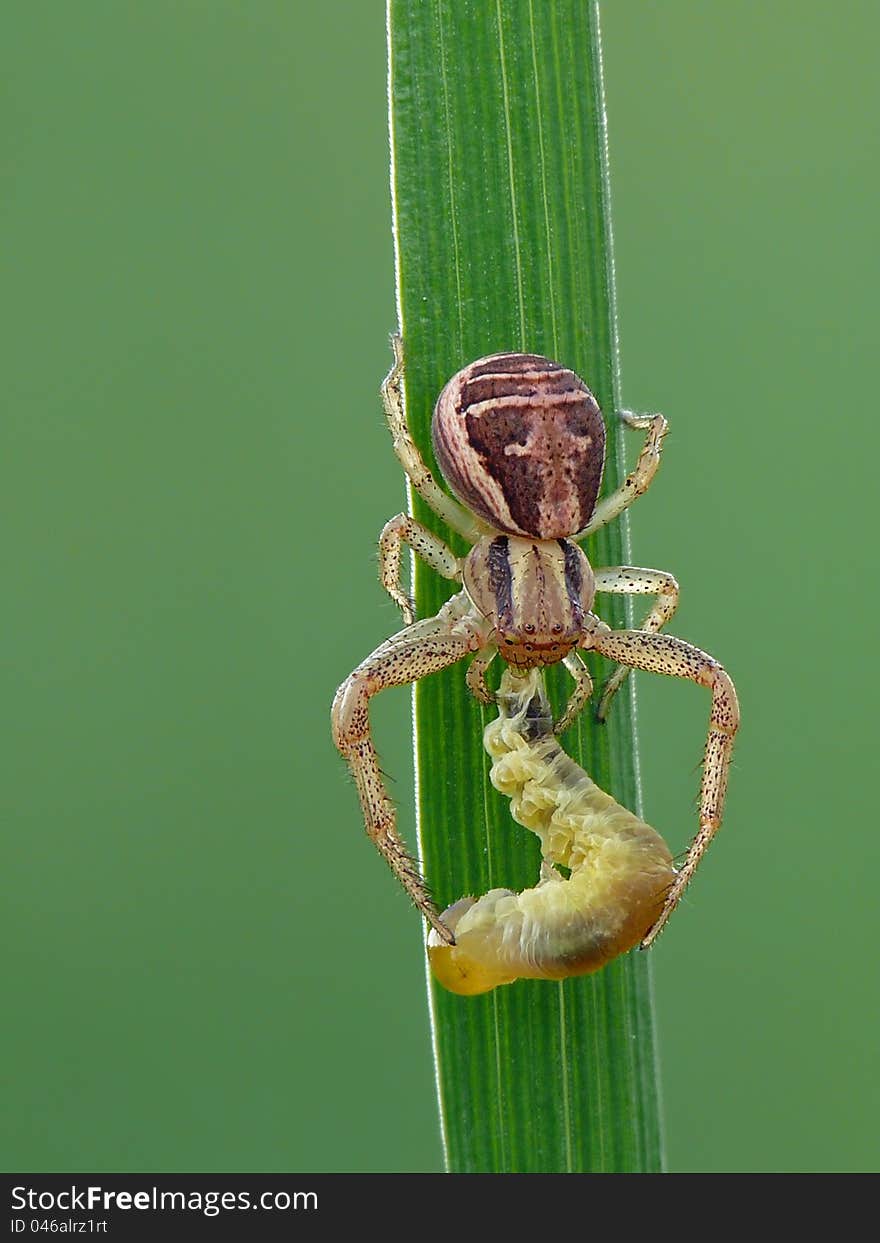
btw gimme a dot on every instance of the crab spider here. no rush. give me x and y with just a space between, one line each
521 443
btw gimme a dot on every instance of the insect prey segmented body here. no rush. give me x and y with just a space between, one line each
620 869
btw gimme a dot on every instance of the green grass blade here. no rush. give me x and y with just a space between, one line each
499 178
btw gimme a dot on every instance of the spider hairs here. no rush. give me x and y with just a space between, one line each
619 868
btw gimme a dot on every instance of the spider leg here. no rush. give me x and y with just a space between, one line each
662 653
638 480
413 653
407 451
631 580
583 689
425 544
476 674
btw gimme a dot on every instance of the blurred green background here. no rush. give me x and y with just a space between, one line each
207 966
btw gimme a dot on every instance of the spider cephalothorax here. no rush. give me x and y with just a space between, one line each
521 442
536 595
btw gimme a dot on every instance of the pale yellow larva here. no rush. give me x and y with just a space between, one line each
620 869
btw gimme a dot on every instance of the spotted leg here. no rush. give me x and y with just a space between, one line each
632 581
407 451
661 653
583 689
439 556
476 674
422 648
639 479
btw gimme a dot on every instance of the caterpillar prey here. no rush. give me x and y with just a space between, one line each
619 868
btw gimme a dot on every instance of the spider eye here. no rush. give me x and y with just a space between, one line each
557 628
529 628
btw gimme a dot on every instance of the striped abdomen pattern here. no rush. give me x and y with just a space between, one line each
520 441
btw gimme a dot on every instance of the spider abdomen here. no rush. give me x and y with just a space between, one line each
520 440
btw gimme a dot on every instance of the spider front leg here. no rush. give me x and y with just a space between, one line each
583 689
661 653
639 479
425 544
476 674
422 648
630 580
407 451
